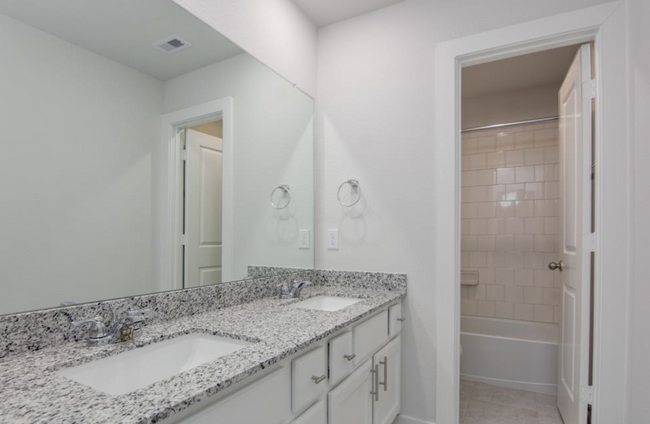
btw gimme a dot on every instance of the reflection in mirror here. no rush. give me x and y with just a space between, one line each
140 151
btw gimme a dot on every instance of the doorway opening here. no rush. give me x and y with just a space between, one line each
190 173
526 202
203 178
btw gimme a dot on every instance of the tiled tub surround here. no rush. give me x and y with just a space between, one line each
31 392
510 222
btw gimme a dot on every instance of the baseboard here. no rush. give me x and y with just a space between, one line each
546 389
405 419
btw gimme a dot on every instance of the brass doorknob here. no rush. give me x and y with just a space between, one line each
556 265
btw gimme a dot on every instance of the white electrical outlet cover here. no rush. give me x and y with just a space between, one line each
303 239
332 239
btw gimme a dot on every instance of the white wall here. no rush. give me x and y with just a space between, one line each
273 145
512 106
375 122
638 390
274 31
75 172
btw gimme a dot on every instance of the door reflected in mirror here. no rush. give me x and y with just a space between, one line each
141 149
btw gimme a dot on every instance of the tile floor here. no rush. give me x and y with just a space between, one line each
485 404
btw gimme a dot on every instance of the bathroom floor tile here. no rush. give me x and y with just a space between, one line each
489 404
463 409
479 412
504 396
465 390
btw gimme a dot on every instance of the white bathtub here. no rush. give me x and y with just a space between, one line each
516 354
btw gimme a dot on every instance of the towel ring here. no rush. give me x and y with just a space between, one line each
354 184
287 192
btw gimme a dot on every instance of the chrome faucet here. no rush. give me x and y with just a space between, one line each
124 329
293 291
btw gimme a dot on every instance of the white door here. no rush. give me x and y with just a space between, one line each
203 206
351 402
575 177
388 405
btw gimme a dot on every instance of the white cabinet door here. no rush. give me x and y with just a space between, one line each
388 405
351 402
341 357
317 414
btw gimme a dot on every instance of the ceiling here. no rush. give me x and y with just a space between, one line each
518 73
124 31
326 12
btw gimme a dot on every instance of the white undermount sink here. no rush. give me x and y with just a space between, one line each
326 303
140 367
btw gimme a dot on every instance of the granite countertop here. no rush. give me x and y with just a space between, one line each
31 391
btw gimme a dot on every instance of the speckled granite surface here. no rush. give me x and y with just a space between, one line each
32 331
31 391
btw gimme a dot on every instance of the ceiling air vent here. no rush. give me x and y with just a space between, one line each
172 44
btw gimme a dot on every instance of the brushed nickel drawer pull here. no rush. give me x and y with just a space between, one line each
350 357
401 319
375 382
319 379
385 364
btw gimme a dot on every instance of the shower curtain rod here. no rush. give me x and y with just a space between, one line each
529 121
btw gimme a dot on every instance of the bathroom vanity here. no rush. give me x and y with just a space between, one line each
331 356
350 377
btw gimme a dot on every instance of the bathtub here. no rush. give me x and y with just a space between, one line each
515 354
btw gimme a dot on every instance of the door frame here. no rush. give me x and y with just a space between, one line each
172 178
606 25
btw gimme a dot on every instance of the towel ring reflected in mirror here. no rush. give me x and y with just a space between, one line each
354 187
287 193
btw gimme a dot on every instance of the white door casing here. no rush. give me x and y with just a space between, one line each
606 24
575 203
203 209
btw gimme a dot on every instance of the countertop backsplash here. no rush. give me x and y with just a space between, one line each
36 330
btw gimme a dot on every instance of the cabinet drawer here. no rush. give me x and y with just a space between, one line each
266 400
369 336
316 414
341 357
309 378
394 320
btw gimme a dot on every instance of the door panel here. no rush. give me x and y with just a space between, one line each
351 402
203 209
575 183
389 359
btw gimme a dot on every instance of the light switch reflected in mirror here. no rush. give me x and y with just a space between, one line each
103 193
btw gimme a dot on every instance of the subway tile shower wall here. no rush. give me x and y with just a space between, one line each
511 223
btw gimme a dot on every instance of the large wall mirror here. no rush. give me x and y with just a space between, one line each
142 151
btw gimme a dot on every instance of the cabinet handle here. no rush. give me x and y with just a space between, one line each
401 319
375 382
350 357
319 379
385 364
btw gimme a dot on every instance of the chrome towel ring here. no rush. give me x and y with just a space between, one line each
287 193
354 186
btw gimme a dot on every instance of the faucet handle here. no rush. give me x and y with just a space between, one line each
133 311
297 284
136 315
97 327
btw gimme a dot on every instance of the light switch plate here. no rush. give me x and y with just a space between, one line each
303 239
332 239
